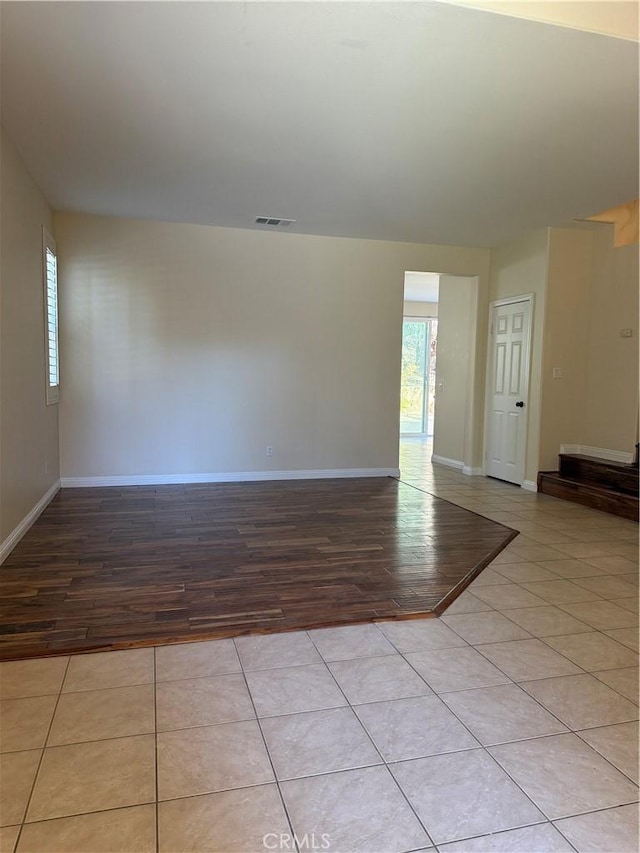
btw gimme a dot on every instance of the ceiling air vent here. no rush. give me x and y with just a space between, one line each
274 221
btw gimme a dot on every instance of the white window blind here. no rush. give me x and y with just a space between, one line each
50 264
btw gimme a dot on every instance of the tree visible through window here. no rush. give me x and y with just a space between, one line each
50 267
418 376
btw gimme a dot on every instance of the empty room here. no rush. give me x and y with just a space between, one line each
319 427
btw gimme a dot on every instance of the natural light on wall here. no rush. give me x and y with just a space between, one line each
50 269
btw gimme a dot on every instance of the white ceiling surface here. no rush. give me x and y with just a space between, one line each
422 122
421 286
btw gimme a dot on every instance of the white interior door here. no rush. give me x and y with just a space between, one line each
508 389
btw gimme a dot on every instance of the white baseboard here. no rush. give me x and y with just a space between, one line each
18 532
529 486
472 472
450 463
232 477
598 452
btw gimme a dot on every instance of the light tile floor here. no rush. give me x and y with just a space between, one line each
510 724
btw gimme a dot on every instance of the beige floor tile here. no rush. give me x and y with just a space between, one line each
550 537
523 660
632 604
24 723
467 602
508 595
109 669
119 831
202 702
611 830
584 549
416 635
593 651
567 569
294 689
625 549
602 615
489 577
502 714
618 744
608 586
414 728
8 838
627 636
560 592
350 642
503 558
463 794
485 627
455 669
96 776
232 821
36 677
17 774
270 651
99 714
625 681
542 837
564 776
523 572
377 679
613 565
193 660
317 742
582 701
546 621
546 520
535 553
211 758
358 810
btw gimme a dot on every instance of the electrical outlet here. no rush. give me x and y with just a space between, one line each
626 333
269 450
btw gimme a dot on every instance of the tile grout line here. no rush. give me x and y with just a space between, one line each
42 754
486 748
352 708
268 753
155 751
382 758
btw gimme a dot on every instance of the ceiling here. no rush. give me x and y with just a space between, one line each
421 286
420 122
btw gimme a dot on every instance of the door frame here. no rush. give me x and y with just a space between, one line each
496 303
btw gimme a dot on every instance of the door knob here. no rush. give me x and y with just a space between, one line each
520 404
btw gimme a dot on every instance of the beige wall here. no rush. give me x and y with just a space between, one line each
455 369
592 296
420 309
611 409
565 346
518 268
188 349
28 427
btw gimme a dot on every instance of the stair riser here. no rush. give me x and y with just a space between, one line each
588 472
624 506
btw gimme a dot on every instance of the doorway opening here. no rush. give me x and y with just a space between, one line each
418 371
418 379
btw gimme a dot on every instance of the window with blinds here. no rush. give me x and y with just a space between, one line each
50 264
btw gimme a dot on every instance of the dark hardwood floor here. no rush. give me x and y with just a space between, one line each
119 567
